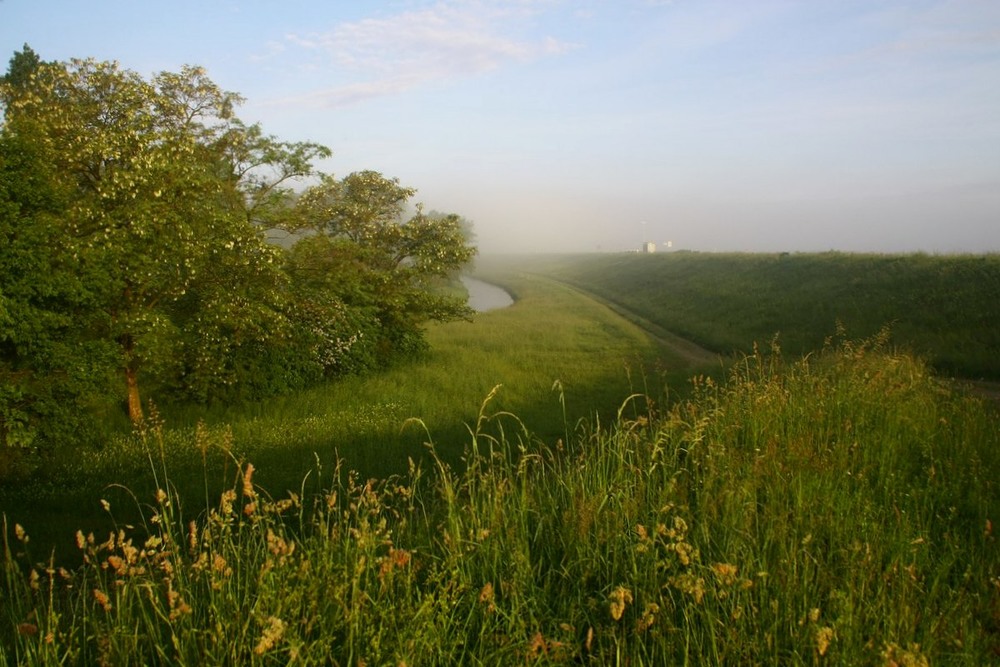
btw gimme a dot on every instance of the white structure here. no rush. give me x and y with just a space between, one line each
649 247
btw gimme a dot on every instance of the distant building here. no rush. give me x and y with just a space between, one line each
649 247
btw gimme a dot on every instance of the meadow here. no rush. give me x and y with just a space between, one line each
620 499
556 355
941 307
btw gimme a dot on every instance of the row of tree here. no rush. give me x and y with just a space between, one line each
133 256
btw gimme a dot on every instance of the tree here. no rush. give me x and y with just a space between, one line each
365 253
131 247
47 362
23 64
154 211
261 169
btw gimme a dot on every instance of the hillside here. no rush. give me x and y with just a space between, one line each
940 307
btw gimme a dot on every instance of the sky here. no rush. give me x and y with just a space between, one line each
597 125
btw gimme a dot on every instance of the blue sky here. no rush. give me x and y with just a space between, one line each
553 125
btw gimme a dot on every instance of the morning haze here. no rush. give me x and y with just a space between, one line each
581 126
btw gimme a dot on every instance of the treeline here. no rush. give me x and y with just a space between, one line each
133 261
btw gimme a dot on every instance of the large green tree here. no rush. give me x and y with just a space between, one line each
132 254
153 210
366 251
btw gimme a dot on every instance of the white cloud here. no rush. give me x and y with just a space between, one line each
450 40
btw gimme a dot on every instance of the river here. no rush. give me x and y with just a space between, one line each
484 296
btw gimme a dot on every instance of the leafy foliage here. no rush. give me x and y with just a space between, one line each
132 213
361 251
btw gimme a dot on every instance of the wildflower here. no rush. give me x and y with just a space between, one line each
643 534
278 546
178 606
685 552
131 553
620 597
400 557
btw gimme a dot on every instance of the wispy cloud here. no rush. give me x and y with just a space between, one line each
447 41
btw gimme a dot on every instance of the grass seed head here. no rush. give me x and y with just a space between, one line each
824 637
102 599
248 489
619 599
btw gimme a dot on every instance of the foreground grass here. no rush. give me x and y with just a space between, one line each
940 307
558 355
837 510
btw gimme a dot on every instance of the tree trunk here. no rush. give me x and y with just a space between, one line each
134 401
131 378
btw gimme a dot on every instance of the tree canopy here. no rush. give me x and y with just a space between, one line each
132 252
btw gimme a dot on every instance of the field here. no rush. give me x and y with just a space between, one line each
622 498
940 307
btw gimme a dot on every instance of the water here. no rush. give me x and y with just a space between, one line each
484 296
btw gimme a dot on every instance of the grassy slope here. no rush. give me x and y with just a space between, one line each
551 334
834 511
943 307
839 510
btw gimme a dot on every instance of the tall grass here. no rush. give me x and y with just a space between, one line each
833 510
552 334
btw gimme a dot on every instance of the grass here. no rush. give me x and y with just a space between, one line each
940 307
559 356
834 510
610 503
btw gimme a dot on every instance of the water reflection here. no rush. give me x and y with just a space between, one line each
484 296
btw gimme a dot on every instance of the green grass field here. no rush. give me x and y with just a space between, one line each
621 499
558 356
940 307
